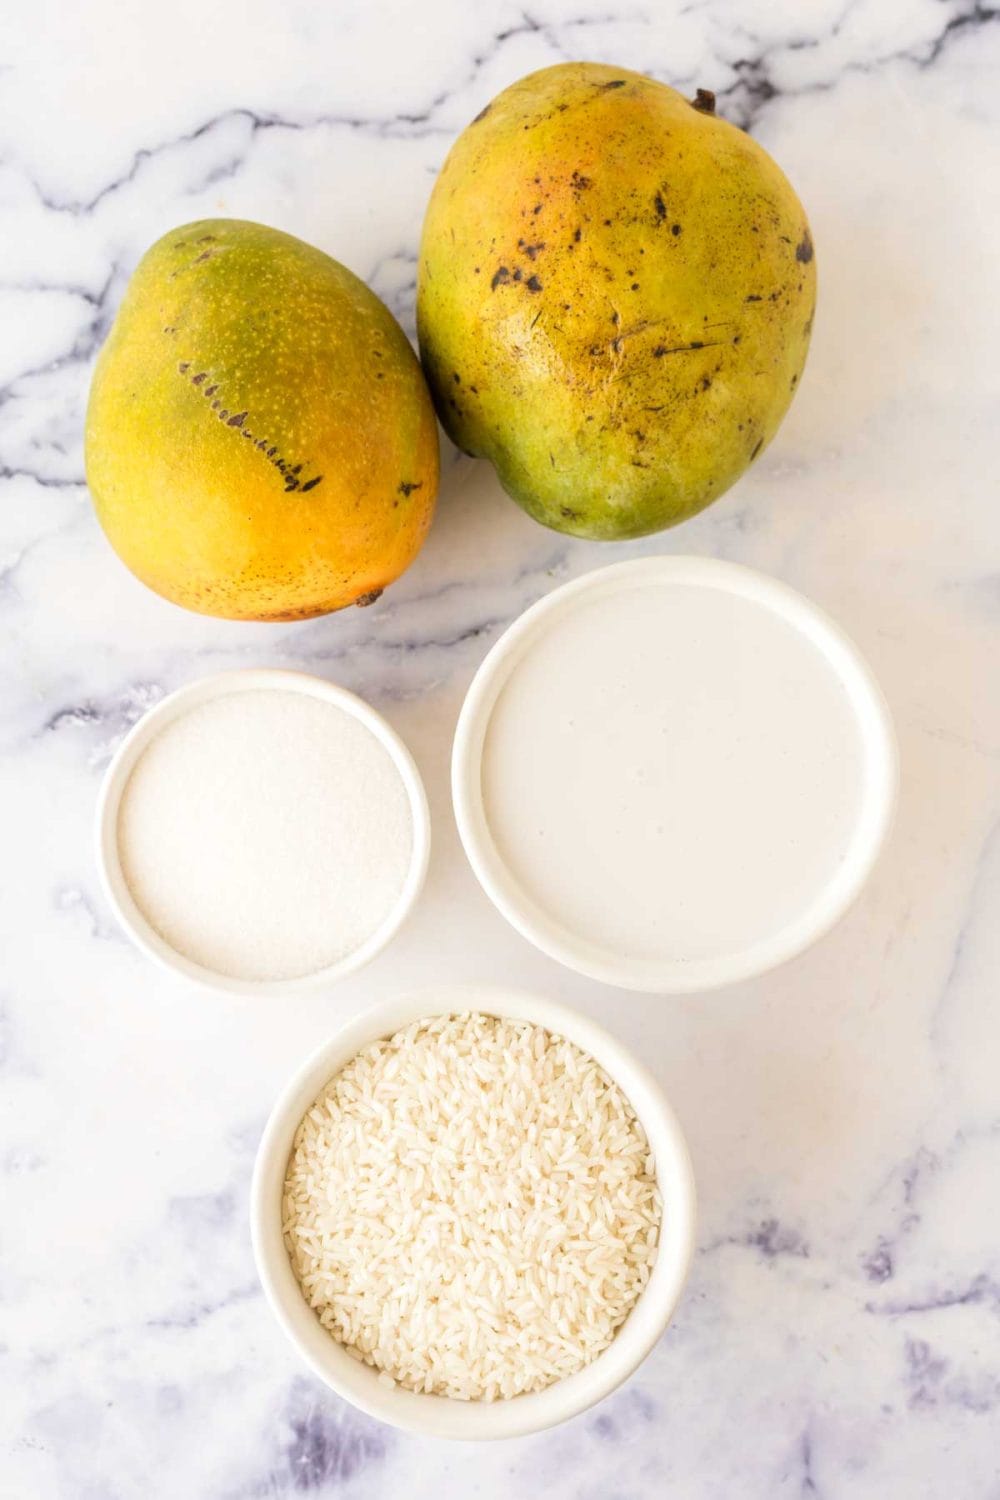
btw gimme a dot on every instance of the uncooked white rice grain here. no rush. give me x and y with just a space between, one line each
471 1207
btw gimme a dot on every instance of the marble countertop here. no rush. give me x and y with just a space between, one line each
840 1336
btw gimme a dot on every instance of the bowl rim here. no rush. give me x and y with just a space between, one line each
191 695
441 1416
880 758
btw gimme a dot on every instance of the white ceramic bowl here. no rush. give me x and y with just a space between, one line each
439 1416
175 706
837 660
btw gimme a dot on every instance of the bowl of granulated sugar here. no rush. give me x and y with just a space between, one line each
262 832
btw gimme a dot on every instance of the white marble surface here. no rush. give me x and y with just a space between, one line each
841 1333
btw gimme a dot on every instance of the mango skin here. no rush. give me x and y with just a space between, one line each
614 300
260 442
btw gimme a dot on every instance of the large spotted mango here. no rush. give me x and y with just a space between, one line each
614 301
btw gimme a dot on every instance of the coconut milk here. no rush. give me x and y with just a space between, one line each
672 771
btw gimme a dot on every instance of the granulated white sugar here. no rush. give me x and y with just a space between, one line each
471 1207
265 834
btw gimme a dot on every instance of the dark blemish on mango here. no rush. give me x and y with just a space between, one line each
533 284
660 206
569 512
207 239
804 249
311 484
704 102
615 318
179 244
237 420
456 377
482 114
271 452
579 183
616 83
205 255
223 415
531 250
184 367
501 276
216 405
675 229
210 391
363 600
518 274
576 236
407 486
760 444
634 287
537 208
753 298
661 349
794 382
197 379
607 223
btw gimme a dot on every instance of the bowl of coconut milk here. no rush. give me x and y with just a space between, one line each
262 832
673 774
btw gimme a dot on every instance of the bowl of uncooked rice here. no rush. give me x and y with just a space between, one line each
473 1212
